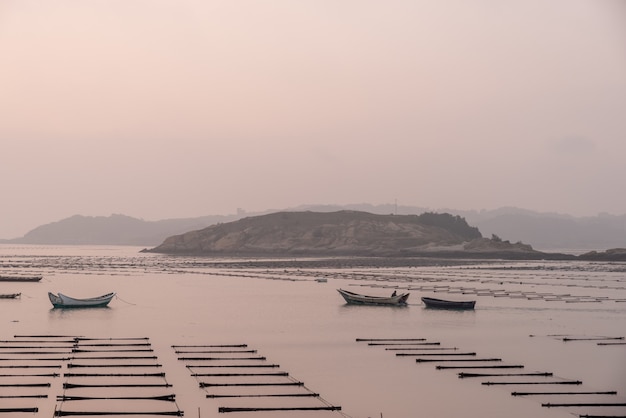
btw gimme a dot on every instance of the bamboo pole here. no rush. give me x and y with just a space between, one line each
434 343
562 393
114 374
73 337
294 408
36 347
122 385
421 360
116 345
45 366
211 346
71 365
592 339
35 409
270 395
167 398
420 348
434 354
463 375
560 382
112 339
213 351
37 342
141 350
244 366
89 413
32 352
204 384
502 366
31 375
390 339
36 359
591 404
219 358
116 358
239 374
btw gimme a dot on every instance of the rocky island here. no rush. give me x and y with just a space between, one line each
347 233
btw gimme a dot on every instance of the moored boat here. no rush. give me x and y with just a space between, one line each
63 301
448 304
20 278
355 298
10 295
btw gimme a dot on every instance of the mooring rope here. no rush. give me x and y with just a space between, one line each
128 303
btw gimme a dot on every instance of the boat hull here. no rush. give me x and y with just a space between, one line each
448 304
63 301
357 299
20 278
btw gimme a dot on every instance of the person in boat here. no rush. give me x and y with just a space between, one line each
393 294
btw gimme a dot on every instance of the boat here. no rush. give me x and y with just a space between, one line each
448 304
10 295
63 301
355 298
20 278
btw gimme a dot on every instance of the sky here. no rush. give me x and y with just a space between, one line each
181 108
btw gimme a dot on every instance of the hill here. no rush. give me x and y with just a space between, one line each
112 230
343 233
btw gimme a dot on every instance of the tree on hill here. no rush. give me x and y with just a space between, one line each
452 223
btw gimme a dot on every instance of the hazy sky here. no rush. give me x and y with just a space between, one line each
160 109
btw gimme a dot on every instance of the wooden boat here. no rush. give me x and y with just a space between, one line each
20 278
448 304
355 298
10 295
63 301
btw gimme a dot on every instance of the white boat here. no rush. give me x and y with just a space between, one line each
63 301
355 298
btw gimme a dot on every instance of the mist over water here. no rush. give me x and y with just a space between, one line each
524 311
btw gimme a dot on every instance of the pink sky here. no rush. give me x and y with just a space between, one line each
159 109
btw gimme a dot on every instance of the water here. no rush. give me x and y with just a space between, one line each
523 312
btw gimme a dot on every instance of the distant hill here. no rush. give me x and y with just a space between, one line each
113 230
342 233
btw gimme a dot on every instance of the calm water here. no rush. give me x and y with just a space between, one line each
523 312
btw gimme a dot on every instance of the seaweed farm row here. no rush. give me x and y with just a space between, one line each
550 390
88 376
247 382
122 376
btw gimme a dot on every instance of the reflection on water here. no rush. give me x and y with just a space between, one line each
279 310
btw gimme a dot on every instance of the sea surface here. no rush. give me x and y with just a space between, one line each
220 335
